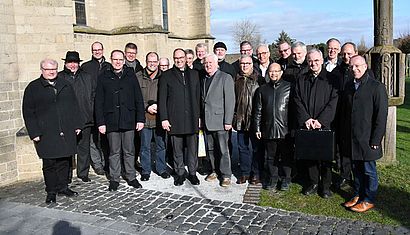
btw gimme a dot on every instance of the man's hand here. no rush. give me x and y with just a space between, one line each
227 127
152 109
259 135
309 123
77 131
139 126
36 139
165 125
316 124
102 129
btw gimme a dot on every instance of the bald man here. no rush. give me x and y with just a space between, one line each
271 111
364 109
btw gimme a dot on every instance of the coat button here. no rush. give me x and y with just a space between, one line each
61 134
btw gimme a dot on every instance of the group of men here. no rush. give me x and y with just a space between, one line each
264 102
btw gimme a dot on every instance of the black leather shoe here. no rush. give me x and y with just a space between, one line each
99 171
51 197
179 180
68 193
284 186
312 189
326 194
342 183
134 183
165 175
193 179
144 177
85 179
113 186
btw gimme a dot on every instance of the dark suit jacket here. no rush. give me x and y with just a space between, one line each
178 100
322 102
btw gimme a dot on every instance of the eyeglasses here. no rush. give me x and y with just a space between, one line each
246 50
245 63
152 62
179 58
95 50
280 51
263 53
163 65
132 53
49 69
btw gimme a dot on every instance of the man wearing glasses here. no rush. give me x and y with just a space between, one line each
50 112
245 48
264 61
131 51
178 108
284 54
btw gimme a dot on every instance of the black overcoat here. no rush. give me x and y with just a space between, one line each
322 102
51 112
364 118
179 100
118 101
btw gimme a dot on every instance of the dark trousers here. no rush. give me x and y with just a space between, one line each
345 167
251 162
56 173
98 149
191 143
122 142
83 153
278 158
320 171
218 152
365 180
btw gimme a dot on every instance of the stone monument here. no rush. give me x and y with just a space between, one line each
387 63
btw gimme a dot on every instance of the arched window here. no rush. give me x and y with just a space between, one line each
165 15
80 18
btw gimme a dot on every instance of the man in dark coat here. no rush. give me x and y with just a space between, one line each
178 99
245 47
217 108
364 109
201 49
285 53
271 125
298 64
131 61
220 51
343 74
50 112
148 79
264 60
84 91
316 101
98 143
119 110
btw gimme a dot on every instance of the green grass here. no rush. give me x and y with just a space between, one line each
393 199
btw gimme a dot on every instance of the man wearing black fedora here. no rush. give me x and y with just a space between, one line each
84 88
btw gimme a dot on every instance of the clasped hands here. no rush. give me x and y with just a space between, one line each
313 124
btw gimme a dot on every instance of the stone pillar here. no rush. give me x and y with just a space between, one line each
387 63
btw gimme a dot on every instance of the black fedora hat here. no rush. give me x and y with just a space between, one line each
72 56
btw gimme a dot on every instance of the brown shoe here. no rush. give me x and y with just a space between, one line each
352 202
242 179
256 180
226 182
362 207
211 177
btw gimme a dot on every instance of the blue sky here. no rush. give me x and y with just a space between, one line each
310 21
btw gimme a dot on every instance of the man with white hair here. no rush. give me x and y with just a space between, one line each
299 64
217 108
316 100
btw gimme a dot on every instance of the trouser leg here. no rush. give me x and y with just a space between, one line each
177 142
225 159
96 154
128 150
114 139
192 153
145 153
160 162
83 153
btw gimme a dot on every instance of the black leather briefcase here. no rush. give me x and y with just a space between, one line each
314 144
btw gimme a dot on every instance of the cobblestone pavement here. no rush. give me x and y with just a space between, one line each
140 209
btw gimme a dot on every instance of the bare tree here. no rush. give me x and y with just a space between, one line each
246 30
361 47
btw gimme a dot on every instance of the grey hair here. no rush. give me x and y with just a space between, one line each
352 44
245 56
201 45
299 44
213 56
48 61
262 45
333 40
313 50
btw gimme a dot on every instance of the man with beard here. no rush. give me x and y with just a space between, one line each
84 91
148 79
316 101
178 102
119 110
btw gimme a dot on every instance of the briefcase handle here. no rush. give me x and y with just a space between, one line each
320 129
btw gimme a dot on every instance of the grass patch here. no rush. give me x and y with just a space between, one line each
393 199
